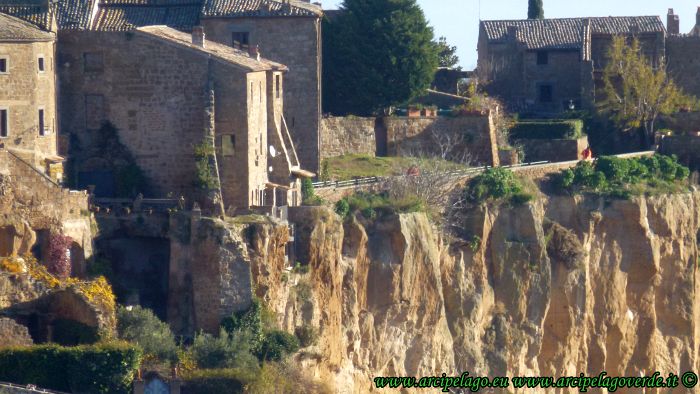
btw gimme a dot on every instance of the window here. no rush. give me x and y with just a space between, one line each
227 144
4 123
93 61
4 65
278 80
542 58
94 111
545 93
241 40
42 125
40 64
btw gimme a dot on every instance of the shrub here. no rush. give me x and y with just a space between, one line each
206 381
71 333
275 377
225 351
277 345
548 129
100 267
495 184
205 177
307 335
101 368
308 194
142 327
342 208
59 263
251 320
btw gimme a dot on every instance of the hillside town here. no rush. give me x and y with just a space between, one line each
257 196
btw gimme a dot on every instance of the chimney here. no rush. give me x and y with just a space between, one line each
254 52
198 36
673 23
513 32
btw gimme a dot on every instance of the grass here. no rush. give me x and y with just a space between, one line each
342 168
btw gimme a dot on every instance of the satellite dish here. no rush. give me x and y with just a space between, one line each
273 151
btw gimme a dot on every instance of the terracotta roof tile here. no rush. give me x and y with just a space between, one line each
260 8
567 33
34 14
15 29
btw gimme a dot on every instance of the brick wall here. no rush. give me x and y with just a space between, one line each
347 136
296 43
23 91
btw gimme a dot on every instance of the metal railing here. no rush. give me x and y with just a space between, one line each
357 182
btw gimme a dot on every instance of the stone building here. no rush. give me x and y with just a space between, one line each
162 98
683 53
28 93
551 65
288 31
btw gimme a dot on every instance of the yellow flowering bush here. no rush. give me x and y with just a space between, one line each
11 265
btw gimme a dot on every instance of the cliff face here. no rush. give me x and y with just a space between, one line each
556 287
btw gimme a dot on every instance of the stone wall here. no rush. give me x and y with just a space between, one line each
348 136
683 64
415 135
296 43
25 90
686 147
552 150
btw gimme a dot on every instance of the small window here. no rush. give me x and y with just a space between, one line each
93 61
545 93
228 145
40 64
4 65
278 80
542 58
42 124
241 40
4 123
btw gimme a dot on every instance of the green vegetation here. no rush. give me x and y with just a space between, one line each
447 54
623 178
535 9
205 177
140 326
497 184
102 368
638 92
371 205
308 194
376 54
130 179
548 129
342 208
307 335
206 381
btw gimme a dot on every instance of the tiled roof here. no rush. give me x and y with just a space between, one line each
74 14
260 8
14 29
130 15
567 33
34 14
219 51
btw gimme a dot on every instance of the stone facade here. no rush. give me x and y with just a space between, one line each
28 94
686 147
552 150
348 136
549 65
684 62
159 100
295 42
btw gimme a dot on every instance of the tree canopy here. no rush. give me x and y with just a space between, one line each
535 9
377 53
447 54
636 92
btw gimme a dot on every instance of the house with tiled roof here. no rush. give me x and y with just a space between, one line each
550 65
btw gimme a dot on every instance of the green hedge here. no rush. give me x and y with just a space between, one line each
207 381
548 129
102 368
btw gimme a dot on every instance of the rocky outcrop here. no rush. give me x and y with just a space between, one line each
557 287
14 334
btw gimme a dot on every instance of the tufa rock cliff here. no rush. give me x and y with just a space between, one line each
556 287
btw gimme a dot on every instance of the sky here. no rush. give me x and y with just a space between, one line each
458 20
